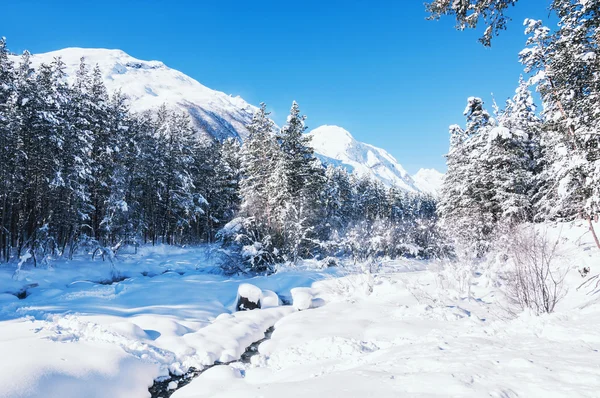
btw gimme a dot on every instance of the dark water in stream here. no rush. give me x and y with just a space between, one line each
160 388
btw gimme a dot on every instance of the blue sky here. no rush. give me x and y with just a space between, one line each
376 68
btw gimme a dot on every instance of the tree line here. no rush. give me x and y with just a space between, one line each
517 164
79 170
292 207
82 173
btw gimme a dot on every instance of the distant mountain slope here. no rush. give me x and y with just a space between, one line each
150 84
337 146
429 181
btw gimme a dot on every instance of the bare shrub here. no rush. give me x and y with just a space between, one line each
536 281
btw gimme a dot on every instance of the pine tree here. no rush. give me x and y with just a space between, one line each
295 187
219 179
469 13
8 151
564 65
258 157
467 210
337 201
513 155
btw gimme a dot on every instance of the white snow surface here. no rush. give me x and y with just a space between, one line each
416 335
429 181
336 146
408 329
150 84
75 337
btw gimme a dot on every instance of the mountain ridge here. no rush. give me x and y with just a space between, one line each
150 84
334 142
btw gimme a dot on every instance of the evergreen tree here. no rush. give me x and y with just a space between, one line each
8 151
294 187
467 210
469 13
513 152
258 157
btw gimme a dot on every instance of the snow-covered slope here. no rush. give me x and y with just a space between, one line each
149 84
429 181
335 145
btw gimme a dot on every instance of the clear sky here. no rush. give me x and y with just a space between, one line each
376 68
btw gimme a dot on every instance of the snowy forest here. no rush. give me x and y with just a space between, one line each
163 239
516 164
83 173
80 171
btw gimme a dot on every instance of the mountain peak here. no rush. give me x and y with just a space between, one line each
335 145
150 84
429 181
333 140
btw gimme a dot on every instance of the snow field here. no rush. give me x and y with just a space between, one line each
74 337
412 329
418 334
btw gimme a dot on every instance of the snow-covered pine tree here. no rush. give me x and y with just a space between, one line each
8 151
217 179
253 232
513 152
469 13
176 188
294 188
37 133
146 176
119 207
337 200
77 168
564 65
258 157
468 211
370 199
63 148
102 162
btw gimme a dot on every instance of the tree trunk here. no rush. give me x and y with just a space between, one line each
589 218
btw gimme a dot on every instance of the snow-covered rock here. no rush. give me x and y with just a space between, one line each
335 145
304 298
429 181
269 299
248 297
150 84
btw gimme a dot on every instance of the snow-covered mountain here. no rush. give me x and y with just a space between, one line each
336 145
429 181
149 84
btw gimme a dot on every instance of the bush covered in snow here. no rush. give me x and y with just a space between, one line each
536 277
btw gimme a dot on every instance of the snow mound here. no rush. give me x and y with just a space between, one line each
302 298
322 349
269 299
